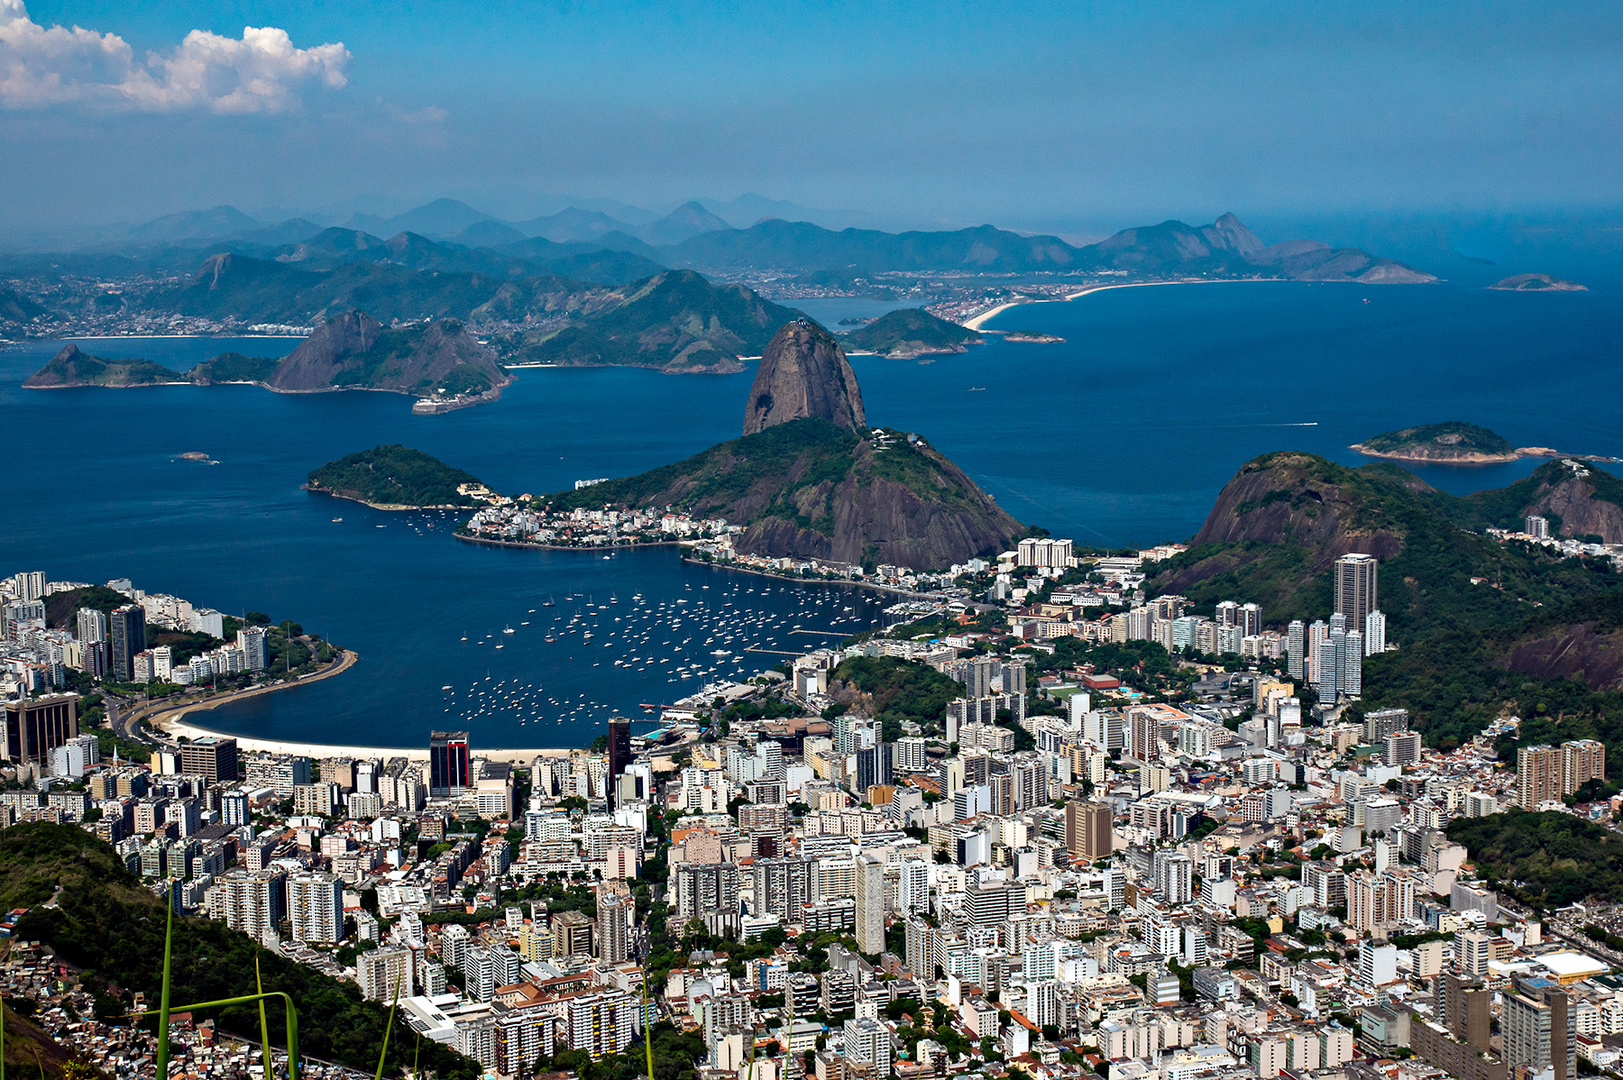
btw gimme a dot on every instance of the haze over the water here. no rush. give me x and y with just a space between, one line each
1073 118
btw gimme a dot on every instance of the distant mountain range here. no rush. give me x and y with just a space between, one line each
453 235
536 293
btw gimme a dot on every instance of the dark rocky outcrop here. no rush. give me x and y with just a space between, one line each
437 359
804 373
1590 652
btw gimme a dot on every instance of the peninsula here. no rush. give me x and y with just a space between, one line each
1453 442
395 477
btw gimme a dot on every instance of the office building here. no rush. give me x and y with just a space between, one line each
36 727
211 757
619 747
1355 587
127 632
571 934
1540 1028
1088 834
449 767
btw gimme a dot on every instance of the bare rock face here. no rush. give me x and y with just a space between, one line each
803 373
313 364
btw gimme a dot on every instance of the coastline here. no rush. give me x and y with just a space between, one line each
173 723
979 321
891 589
493 542
377 506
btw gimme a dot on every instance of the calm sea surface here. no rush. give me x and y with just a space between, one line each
1121 435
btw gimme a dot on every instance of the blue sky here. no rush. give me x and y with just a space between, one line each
1073 116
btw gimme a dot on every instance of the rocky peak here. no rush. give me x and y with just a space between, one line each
803 372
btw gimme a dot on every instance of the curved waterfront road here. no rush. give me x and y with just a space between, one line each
157 713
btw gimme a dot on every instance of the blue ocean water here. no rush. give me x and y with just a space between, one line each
1121 435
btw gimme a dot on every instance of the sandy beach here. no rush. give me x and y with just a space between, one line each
980 320
174 723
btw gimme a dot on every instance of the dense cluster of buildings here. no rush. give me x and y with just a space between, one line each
1056 872
113 644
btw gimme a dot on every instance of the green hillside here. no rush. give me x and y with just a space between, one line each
912 332
70 367
676 321
1275 530
811 488
1451 439
1548 859
393 475
106 923
233 367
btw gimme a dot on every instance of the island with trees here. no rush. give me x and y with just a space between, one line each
396 477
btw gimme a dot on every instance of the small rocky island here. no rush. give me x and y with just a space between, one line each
1537 283
1451 443
396 477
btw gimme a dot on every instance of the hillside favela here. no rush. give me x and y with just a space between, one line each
1078 542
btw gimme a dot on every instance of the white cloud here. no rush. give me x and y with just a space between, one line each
260 73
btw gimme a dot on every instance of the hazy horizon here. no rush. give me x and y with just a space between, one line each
1076 119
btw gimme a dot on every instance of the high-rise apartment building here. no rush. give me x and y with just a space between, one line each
1355 588
315 907
1582 760
613 929
1296 649
449 767
127 632
870 905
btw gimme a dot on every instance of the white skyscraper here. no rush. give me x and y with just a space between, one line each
1374 633
870 905
315 907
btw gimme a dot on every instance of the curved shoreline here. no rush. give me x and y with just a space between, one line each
391 507
979 321
493 542
163 718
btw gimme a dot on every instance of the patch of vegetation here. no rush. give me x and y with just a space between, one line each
108 925
902 691
1453 437
1547 859
233 367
